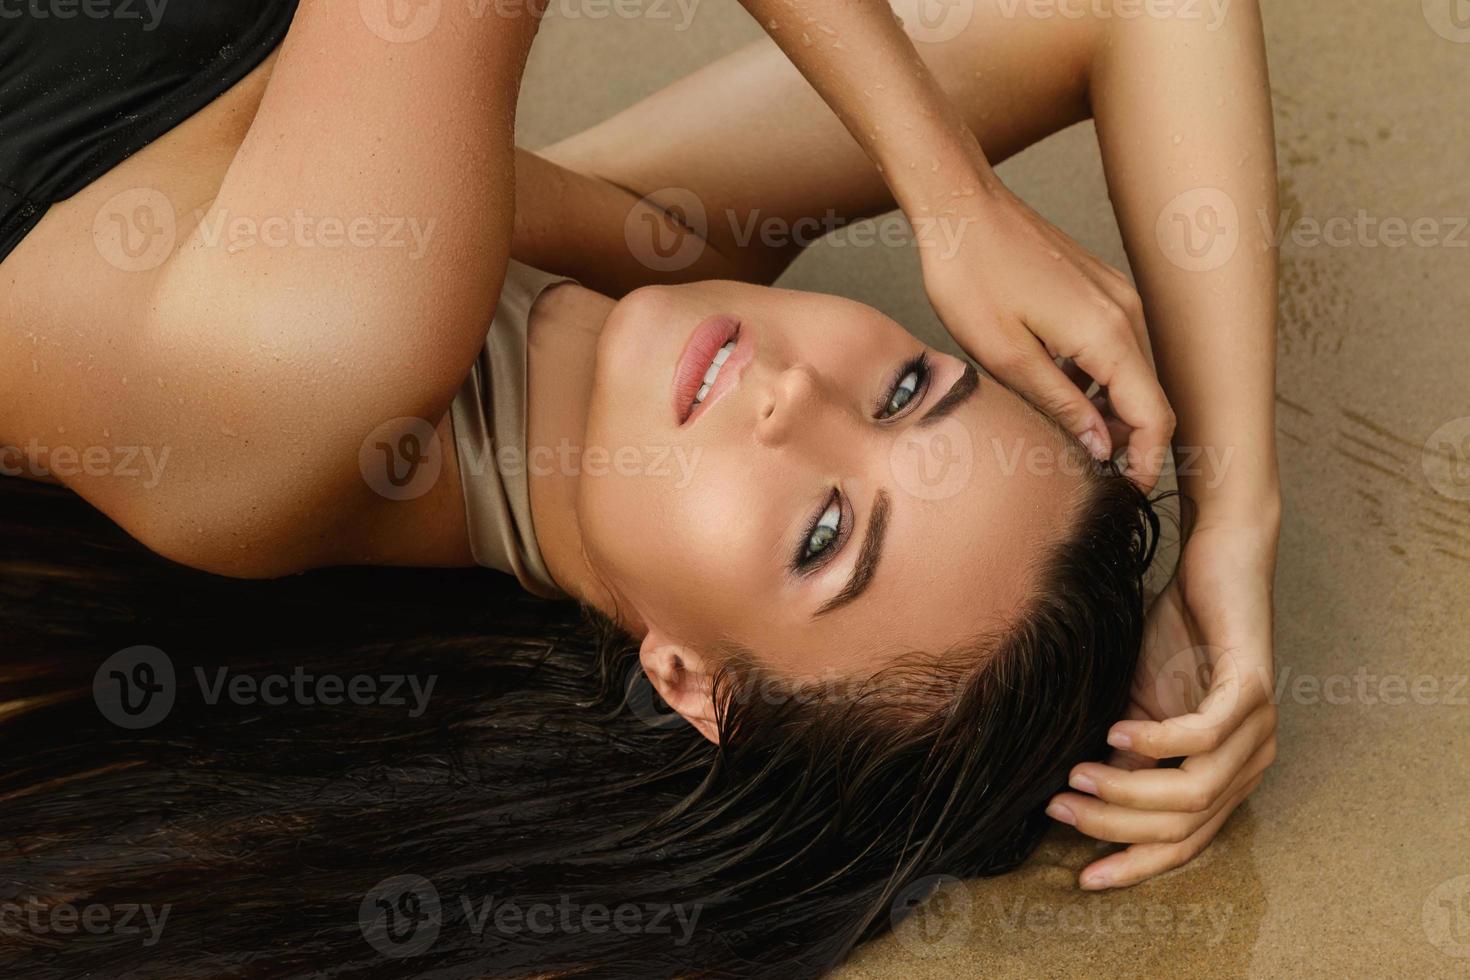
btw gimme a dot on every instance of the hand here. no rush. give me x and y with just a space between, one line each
1016 292
1202 690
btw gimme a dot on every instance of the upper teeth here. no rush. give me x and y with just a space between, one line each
721 356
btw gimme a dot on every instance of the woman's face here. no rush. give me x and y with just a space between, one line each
840 495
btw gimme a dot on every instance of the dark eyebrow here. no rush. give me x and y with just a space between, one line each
963 387
867 561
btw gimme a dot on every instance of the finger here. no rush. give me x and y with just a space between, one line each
1122 292
1124 825
1117 429
1232 696
1020 360
1111 354
1141 861
1123 758
1193 787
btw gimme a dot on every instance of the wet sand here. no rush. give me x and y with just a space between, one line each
1353 857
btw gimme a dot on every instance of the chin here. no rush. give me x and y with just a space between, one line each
635 367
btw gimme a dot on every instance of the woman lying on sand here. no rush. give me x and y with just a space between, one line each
748 489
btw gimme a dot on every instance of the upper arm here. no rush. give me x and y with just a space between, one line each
259 357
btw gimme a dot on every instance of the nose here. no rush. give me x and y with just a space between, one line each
793 401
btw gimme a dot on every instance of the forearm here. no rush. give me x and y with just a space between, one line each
1184 118
857 56
607 235
763 199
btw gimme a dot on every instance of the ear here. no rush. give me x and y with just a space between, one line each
683 678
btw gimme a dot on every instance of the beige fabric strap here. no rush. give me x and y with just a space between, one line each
488 416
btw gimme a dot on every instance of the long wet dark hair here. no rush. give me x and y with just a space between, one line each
540 815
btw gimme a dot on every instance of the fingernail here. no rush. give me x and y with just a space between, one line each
1096 881
1094 444
1058 811
1083 784
1119 740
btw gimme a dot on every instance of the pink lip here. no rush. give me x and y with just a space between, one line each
699 353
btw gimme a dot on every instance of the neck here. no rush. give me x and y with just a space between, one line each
565 322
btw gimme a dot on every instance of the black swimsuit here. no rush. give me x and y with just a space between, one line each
85 85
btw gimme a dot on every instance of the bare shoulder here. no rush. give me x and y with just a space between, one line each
85 382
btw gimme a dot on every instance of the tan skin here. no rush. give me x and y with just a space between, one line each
88 346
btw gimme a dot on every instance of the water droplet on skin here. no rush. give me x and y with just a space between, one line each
806 39
227 431
838 46
1178 139
826 30
934 165
771 25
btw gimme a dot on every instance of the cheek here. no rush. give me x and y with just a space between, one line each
678 543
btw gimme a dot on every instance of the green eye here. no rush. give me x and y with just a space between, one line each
906 386
824 532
